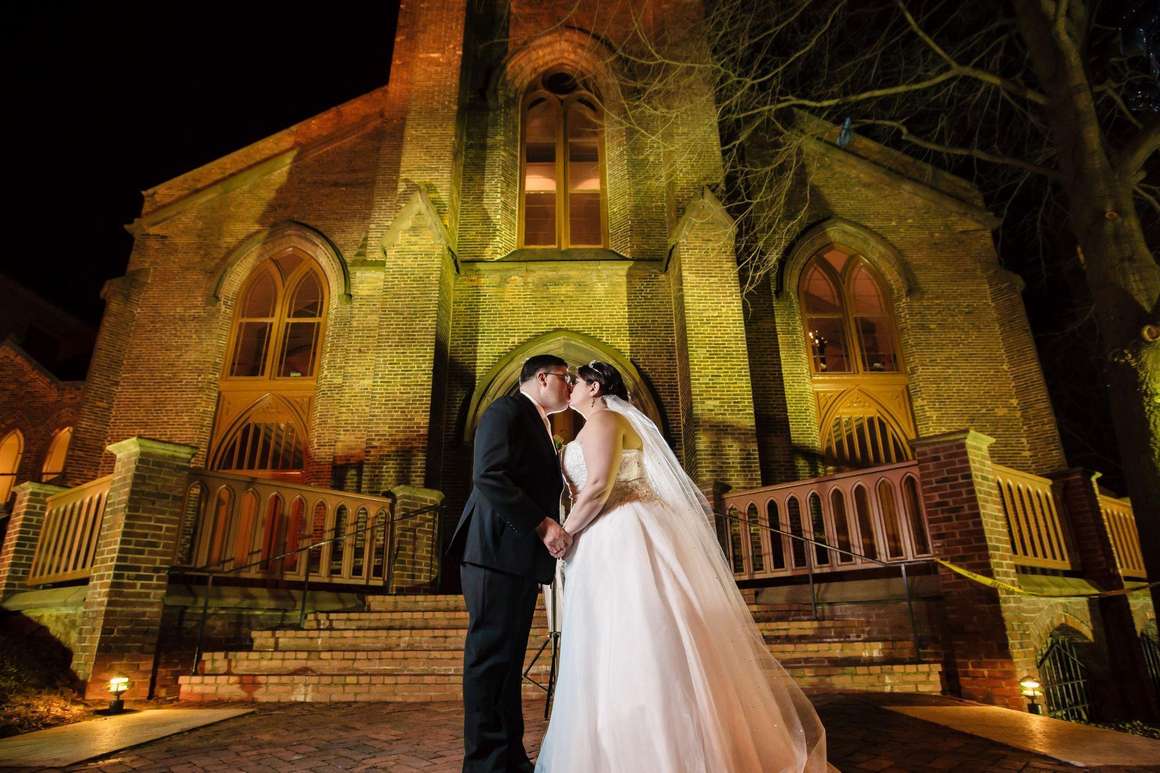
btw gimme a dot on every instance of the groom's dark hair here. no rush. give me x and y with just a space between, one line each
537 363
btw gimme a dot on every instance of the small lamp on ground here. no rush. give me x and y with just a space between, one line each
117 687
1029 686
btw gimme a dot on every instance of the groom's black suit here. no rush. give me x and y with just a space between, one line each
516 483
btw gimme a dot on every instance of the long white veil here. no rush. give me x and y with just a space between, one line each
719 603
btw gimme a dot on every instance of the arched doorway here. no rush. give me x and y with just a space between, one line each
574 348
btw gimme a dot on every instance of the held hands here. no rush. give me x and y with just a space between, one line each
555 538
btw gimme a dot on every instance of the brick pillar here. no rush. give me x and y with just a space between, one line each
1116 632
23 532
417 550
968 528
136 546
720 437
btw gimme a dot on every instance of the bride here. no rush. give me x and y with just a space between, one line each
662 667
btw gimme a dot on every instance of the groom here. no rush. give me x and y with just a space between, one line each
510 539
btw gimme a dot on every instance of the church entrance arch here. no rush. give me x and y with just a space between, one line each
576 349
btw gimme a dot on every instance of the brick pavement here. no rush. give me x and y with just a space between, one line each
404 738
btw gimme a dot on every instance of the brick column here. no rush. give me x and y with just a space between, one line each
968 528
136 546
416 542
1076 490
23 531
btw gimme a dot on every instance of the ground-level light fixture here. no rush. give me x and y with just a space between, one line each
117 687
1029 686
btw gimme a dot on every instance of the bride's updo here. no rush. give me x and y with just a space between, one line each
608 377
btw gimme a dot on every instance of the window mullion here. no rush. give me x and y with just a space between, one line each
563 231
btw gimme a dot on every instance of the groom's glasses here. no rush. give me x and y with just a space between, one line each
569 379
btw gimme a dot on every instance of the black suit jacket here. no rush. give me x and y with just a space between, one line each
516 483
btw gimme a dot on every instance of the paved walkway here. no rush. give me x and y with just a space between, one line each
399 737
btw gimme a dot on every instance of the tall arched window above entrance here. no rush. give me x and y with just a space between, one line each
11 449
268 382
858 381
562 165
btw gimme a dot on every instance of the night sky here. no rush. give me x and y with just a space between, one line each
104 100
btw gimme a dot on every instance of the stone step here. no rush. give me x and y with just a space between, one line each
832 630
810 651
425 603
345 662
397 619
886 677
329 688
449 659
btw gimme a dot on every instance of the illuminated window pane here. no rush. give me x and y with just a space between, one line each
837 259
584 176
582 122
540 219
57 453
11 449
827 345
584 219
820 295
260 297
298 349
890 520
250 349
867 297
307 298
877 340
540 125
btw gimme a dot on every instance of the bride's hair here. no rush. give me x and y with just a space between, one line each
608 377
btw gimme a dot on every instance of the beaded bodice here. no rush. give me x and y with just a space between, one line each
630 478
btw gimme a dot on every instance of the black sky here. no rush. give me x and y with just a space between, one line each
104 100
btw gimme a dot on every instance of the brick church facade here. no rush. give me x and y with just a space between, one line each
335 305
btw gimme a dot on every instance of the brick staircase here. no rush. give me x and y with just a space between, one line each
410 648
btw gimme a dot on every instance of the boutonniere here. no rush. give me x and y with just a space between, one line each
558 442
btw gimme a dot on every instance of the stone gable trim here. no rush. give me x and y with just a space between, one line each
420 203
880 174
316 133
232 180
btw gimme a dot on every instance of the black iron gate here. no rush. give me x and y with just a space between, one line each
1152 659
1064 679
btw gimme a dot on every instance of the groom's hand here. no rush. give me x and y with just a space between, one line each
555 539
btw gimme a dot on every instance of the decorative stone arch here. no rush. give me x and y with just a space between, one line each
591 58
856 239
564 47
232 271
1051 621
576 349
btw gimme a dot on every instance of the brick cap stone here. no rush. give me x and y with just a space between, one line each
417 492
31 486
143 445
967 436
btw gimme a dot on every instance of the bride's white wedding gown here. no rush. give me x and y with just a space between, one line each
662 668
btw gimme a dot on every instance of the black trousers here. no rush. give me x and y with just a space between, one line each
500 608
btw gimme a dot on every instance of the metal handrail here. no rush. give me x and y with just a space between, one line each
388 569
810 570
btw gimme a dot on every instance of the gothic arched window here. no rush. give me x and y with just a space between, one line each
562 165
57 453
11 449
851 338
267 385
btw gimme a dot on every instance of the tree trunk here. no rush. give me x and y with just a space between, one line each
1121 272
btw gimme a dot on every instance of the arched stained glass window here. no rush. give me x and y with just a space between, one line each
57 453
562 160
858 381
11 450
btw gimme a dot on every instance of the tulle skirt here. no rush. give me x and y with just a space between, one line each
661 665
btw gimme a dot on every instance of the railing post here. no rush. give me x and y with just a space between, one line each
197 650
23 533
813 588
305 592
136 546
968 527
910 611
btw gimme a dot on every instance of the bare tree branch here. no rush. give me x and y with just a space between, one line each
982 155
